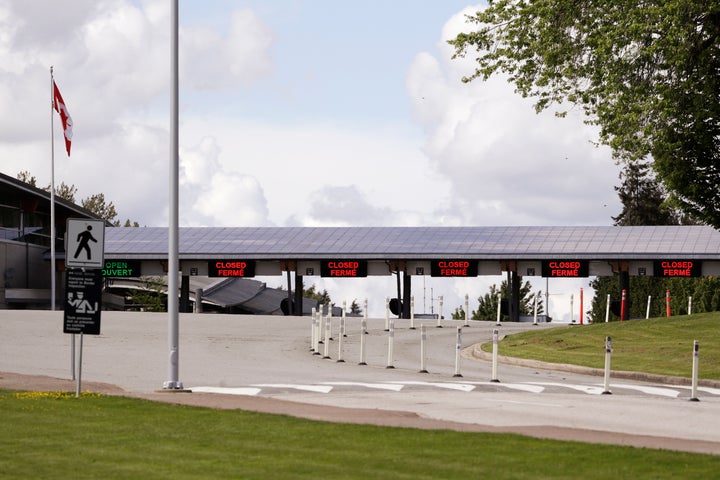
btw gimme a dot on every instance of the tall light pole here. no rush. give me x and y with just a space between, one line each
173 381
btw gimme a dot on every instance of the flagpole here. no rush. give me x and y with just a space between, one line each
52 193
173 382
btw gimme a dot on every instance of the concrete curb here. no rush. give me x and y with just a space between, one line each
475 352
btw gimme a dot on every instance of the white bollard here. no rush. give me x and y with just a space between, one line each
391 340
329 319
387 314
318 332
499 313
535 309
572 318
365 316
363 331
341 335
608 353
327 339
439 322
342 321
696 360
458 348
607 309
467 311
689 305
412 313
312 329
494 377
423 339
647 310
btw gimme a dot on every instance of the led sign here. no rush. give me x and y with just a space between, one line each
677 268
453 268
565 268
231 268
343 268
121 268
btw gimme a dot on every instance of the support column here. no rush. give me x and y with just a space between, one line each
407 293
516 281
185 294
298 310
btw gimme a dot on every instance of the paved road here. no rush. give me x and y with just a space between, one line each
270 357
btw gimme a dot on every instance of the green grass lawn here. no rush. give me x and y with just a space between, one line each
102 437
657 345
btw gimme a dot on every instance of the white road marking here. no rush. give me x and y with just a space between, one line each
226 390
463 387
307 388
590 390
379 386
663 392
710 390
514 386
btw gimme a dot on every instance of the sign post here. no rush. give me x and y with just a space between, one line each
84 252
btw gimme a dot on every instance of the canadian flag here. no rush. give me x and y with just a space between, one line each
67 122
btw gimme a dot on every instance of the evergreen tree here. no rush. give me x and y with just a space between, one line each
488 303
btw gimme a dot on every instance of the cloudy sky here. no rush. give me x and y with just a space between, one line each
293 113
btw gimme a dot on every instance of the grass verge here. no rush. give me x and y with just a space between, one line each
59 436
661 346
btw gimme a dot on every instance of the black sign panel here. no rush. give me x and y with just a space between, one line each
83 301
343 268
453 268
121 268
565 268
677 268
231 268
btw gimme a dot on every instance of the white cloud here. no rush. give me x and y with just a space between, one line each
506 164
211 61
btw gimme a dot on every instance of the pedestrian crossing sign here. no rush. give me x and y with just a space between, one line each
85 243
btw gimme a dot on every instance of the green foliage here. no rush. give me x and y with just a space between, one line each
151 297
97 204
120 437
488 303
355 308
644 72
322 297
661 346
24 176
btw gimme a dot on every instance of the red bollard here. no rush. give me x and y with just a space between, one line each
581 306
623 305
667 302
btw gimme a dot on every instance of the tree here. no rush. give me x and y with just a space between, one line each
355 308
94 203
97 204
643 203
323 297
25 176
643 199
488 303
644 72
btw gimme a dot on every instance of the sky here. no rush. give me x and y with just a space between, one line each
296 113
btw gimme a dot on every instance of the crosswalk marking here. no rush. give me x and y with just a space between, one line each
464 387
514 386
227 391
660 391
669 391
307 388
380 386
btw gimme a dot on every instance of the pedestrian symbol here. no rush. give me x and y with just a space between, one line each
84 245
83 238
